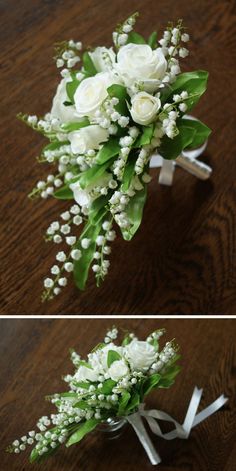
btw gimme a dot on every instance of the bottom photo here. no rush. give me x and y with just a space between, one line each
118 394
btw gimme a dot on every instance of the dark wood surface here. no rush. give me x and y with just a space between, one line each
34 355
183 259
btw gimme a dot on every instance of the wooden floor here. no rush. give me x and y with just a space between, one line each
183 259
34 356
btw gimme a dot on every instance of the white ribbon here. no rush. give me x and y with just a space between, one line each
186 160
180 431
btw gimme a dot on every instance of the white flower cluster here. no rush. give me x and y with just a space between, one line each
107 119
120 36
100 268
98 386
66 54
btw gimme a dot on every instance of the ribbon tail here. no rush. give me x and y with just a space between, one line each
167 172
193 166
138 426
211 409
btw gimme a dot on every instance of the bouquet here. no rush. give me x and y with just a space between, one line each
111 383
113 108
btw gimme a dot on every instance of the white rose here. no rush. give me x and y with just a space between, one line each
91 92
89 137
86 374
141 355
118 370
144 108
138 62
103 58
85 197
66 114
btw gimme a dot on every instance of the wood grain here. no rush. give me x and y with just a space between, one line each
183 259
34 355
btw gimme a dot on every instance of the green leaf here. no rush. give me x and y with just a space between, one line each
155 344
98 209
69 394
128 174
120 92
82 430
107 386
112 356
64 193
172 148
36 457
82 384
55 145
171 372
168 378
146 137
109 149
152 40
69 127
201 134
72 86
81 266
195 83
136 38
88 64
85 364
126 340
150 383
165 383
134 402
123 402
134 212
92 174
81 405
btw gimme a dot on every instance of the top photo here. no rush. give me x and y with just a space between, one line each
118 158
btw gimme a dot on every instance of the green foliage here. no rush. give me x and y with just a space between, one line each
112 356
133 403
152 40
134 211
109 149
72 86
128 174
168 378
54 145
92 174
126 340
98 209
36 457
172 148
150 383
64 193
82 430
195 83
85 364
123 403
107 386
88 64
135 38
120 92
69 127
202 131
145 138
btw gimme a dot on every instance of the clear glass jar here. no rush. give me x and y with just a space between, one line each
112 428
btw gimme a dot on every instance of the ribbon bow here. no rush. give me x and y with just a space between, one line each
180 431
187 160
